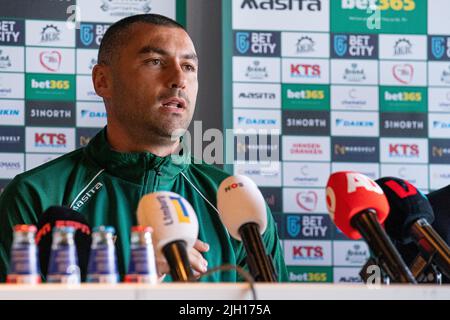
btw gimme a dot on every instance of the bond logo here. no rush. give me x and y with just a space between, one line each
354 74
256 71
5 61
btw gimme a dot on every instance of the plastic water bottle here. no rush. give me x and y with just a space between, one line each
142 267
63 264
24 266
102 267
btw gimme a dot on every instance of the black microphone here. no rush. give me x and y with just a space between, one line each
58 216
409 221
242 210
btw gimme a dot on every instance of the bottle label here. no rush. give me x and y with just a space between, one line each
63 265
102 265
24 260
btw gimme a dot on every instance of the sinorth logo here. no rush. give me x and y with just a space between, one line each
50 87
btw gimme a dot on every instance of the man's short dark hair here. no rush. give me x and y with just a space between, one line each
118 33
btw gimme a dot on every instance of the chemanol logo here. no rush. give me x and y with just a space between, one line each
439 74
11 59
354 46
91 115
347 275
305 45
49 33
416 174
363 124
273 198
113 10
263 174
372 170
252 95
439 176
245 119
355 149
395 124
350 253
314 71
402 99
257 43
305 174
439 100
315 123
396 150
50 87
403 47
310 274
90 35
50 140
34 160
86 60
281 15
12 32
305 97
11 86
305 226
439 125
308 253
399 73
12 112
354 72
84 136
301 148
397 16
85 89
11 164
439 151
248 69
439 48
50 60
304 200
354 98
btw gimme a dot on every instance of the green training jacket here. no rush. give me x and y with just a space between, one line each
106 186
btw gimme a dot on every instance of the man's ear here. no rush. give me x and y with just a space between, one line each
101 78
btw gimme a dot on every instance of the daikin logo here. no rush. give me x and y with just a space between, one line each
352 123
300 5
92 114
9 112
250 121
441 125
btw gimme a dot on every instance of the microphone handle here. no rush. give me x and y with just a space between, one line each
366 222
260 264
177 257
429 241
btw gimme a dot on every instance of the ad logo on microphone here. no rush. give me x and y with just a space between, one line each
179 207
234 186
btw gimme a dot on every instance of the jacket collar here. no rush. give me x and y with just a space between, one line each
133 166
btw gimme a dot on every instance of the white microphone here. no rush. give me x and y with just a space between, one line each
175 229
242 210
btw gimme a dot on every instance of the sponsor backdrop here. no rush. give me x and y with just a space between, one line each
343 85
47 102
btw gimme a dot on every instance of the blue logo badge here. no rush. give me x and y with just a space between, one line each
340 45
87 34
438 47
293 226
242 42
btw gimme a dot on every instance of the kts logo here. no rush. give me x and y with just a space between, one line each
314 252
309 253
12 32
291 5
50 34
404 150
439 48
355 46
307 71
91 34
52 140
257 43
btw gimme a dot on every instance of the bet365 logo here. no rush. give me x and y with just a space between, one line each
382 5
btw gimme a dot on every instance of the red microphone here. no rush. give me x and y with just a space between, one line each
358 207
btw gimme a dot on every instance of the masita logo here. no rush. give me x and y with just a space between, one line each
251 95
257 43
294 5
355 46
50 87
50 140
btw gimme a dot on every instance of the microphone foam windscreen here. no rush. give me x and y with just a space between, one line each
63 216
239 201
349 193
440 202
407 206
171 216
